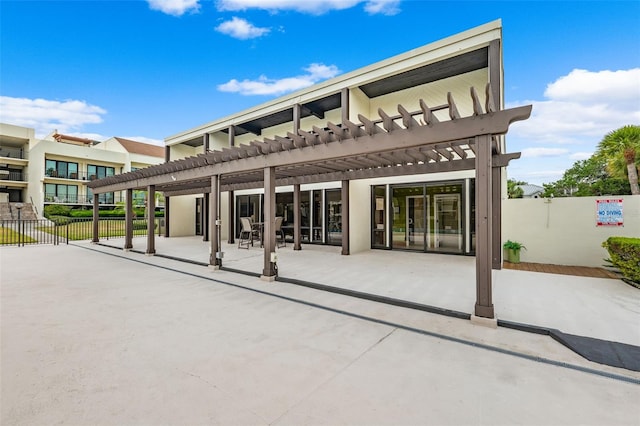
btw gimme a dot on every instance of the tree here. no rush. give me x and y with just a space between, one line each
621 150
587 178
513 188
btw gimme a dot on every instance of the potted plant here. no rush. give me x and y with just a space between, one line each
513 250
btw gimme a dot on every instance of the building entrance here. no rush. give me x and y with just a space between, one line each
428 217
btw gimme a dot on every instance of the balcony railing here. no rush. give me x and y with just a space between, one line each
13 175
70 175
11 152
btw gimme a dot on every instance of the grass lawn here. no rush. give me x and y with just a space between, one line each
9 236
83 230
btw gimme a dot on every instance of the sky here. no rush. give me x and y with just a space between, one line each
148 69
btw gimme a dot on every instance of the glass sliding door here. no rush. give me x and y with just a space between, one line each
334 217
446 216
248 206
379 217
409 228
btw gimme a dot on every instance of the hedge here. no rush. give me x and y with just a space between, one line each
60 210
625 255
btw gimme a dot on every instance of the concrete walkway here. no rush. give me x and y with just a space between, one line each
93 335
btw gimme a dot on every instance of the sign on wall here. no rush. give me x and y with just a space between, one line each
609 212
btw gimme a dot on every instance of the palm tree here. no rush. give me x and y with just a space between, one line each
621 149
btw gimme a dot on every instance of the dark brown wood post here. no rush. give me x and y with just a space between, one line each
297 218
167 216
151 220
232 218
232 215
495 72
96 219
128 220
344 104
269 236
496 210
297 113
205 143
215 258
484 303
345 217
204 217
167 154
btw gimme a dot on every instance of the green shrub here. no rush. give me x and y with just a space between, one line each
60 220
56 210
81 213
625 255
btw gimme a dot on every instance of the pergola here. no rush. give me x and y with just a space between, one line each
407 143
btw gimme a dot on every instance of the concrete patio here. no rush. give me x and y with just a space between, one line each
94 335
600 308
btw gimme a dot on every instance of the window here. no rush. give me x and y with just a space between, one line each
54 193
61 169
99 172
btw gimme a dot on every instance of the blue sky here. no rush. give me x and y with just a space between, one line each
149 69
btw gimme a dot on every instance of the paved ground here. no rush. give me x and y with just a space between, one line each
104 337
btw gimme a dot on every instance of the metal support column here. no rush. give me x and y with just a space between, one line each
151 220
268 235
215 257
484 303
297 218
345 217
128 220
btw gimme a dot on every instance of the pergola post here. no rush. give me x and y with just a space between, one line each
345 217
297 218
496 210
268 235
484 303
204 216
128 220
215 257
96 219
166 216
232 219
151 220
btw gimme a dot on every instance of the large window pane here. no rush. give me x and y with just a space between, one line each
379 219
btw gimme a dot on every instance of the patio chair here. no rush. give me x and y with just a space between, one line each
247 233
279 232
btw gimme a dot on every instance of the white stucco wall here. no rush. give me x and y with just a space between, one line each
182 213
563 231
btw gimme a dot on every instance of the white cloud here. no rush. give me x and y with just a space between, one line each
580 156
46 116
384 7
316 7
543 152
586 86
175 7
241 29
582 105
267 86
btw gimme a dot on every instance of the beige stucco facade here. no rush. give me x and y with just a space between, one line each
355 99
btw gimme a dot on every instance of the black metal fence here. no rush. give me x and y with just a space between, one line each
63 230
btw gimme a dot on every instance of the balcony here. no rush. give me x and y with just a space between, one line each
12 152
13 175
82 176
76 200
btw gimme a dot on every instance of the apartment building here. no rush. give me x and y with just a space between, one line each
56 169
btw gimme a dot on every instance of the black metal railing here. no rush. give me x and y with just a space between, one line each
11 152
13 175
61 230
79 175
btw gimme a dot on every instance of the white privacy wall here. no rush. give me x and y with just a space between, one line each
563 231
